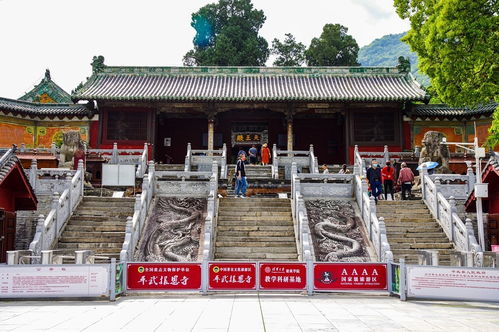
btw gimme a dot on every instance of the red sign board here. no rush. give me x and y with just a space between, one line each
344 276
283 276
163 276
231 276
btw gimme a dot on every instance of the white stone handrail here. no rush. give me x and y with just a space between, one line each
135 224
275 162
314 165
142 167
204 159
359 163
327 176
52 150
374 226
300 219
445 212
211 216
183 174
49 229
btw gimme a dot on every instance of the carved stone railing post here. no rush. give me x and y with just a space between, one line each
437 190
471 178
381 235
82 175
372 210
23 148
469 232
422 176
275 162
151 169
386 154
53 149
115 154
452 212
356 165
33 173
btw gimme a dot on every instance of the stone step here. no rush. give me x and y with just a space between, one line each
235 223
419 236
102 228
97 199
105 234
225 213
240 209
253 239
256 256
248 203
222 228
409 224
94 239
85 222
239 233
415 214
112 212
247 250
426 246
254 218
105 208
406 219
412 251
405 203
90 246
231 243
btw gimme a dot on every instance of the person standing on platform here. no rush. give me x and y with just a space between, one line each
344 169
241 183
253 154
265 154
406 179
374 178
79 155
388 175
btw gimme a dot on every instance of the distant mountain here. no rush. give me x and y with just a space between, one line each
385 52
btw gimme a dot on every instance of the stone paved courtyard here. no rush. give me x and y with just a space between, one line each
267 312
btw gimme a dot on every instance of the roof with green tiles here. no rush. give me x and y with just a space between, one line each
249 84
19 107
443 110
47 91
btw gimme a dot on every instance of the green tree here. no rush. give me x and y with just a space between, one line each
289 53
457 42
227 35
493 139
333 48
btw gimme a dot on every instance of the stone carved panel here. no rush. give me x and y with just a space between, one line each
184 188
335 230
172 233
326 190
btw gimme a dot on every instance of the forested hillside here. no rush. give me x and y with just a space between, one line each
385 52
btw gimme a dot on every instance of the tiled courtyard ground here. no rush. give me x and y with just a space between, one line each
267 312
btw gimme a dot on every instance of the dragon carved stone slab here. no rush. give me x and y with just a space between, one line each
172 233
335 230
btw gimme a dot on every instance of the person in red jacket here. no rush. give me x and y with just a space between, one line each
388 176
406 179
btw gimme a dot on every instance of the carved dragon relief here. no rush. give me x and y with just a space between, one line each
173 231
335 231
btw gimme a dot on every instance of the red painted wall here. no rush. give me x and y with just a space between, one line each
93 139
7 198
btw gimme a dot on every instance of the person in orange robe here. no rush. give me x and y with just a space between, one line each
265 154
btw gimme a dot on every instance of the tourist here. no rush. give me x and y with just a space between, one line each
252 154
79 155
344 169
241 183
374 178
388 175
324 169
241 152
265 154
406 179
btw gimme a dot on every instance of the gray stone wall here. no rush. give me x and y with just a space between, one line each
26 222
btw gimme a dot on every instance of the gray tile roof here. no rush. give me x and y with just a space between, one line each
251 84
37 109
442 110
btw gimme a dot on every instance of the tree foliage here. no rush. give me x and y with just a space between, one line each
385 51
493 139
457 42
334 47
289 52
227 35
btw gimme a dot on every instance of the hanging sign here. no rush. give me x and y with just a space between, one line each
285 276
163 276
231 276
350 276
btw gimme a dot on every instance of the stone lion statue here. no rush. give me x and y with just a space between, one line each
433 150
71 141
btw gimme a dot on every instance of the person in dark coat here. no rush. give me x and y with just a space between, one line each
374 178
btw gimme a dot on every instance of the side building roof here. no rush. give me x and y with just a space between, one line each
248 84
433 111
53 92
24 108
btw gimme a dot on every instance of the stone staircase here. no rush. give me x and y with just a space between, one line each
410 227
98 224
254 172
255 228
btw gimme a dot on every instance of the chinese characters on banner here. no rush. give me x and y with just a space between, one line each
350 276
283 276
227 276
247 138
164 276
458 283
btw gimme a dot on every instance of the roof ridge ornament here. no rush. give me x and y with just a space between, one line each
47 75
404 65
98 64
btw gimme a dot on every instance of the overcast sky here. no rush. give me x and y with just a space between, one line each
64 35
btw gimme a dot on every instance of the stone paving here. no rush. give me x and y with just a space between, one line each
252 312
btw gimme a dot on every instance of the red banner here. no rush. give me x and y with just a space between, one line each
345 276
283 276
231 276
164 276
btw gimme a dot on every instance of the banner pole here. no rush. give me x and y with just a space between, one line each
112 280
